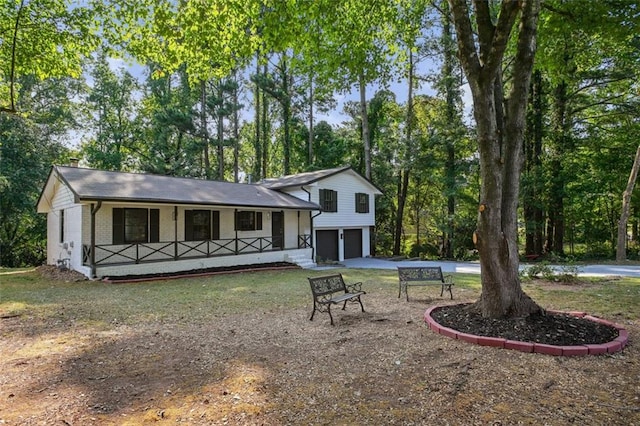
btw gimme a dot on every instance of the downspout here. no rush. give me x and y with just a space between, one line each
94 210
313 246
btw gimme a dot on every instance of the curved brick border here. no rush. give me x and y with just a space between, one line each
615 345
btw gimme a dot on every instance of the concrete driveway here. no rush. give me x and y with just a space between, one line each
474 267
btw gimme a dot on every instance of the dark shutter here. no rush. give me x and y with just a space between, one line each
118 226
259 221
154 225
188 225
215 225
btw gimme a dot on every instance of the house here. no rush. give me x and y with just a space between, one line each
103 223
344 229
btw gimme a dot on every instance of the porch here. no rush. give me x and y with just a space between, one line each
169 251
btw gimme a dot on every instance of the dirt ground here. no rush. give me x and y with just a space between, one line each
381 367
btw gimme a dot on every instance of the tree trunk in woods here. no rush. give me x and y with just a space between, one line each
365 127
500 122
621 247
220 132
257 167
236 118
450 164
403 179
204 130
310 146
266 140
560 127
532 204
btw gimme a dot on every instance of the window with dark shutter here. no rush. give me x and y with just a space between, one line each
362 203
329 200
154 225
62 226
135 225
118 226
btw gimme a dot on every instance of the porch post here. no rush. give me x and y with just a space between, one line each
235 226
92 261
175 232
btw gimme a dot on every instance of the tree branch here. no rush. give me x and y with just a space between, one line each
466 46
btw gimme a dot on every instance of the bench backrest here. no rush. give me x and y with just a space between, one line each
427 273
327 284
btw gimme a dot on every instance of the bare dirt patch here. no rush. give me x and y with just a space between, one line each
275 367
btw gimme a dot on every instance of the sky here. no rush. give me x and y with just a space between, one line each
335 116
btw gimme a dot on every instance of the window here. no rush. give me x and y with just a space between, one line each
248 221
329 200
200 225
136 226
62 226
362 203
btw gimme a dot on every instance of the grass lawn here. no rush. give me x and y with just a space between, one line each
239 349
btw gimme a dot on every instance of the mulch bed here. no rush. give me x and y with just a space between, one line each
550 329
203 271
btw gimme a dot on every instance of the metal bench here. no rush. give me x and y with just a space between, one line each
331 290
423 276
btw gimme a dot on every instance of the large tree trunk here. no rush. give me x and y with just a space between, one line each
500 124
621 247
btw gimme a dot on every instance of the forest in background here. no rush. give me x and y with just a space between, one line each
232 89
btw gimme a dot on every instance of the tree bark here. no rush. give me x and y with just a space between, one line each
500 138
403 179
365 127
621 247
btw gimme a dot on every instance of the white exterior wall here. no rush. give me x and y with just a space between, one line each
347 184
77 232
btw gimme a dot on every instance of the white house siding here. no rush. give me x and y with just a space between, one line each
68 248
347 184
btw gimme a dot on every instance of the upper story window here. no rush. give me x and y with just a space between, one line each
329 200
248 221
136 226
362 202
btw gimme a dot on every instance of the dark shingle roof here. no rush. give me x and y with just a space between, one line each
90 185
307 178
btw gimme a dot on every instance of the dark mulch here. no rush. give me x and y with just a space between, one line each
550 329
195 272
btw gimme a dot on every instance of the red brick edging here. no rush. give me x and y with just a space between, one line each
615 345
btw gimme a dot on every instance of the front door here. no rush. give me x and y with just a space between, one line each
277 230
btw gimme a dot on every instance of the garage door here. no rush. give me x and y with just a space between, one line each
352 243
327 245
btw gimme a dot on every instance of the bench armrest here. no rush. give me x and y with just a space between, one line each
355 287
448 279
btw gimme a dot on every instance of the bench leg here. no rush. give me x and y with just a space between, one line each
401 288
314 311
361 306
329 311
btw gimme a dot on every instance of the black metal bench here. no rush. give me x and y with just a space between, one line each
423 276
331 290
